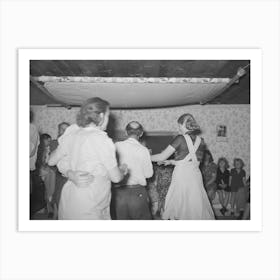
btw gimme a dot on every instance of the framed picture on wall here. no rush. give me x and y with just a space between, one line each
221 133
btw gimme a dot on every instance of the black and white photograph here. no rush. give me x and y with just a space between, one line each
139 139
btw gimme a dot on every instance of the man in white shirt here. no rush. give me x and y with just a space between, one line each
131 200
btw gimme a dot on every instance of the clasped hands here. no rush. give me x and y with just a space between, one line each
83 179
166 162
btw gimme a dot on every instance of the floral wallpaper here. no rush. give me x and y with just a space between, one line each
235 117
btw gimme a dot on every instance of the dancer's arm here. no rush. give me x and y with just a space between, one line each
169 150
164 155
116 174
60 158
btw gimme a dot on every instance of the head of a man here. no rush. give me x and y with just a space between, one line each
134 129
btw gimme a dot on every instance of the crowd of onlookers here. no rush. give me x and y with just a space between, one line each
231 185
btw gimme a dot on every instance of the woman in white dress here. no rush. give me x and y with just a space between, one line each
87 156
186 198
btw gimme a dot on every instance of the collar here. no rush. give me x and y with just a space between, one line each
95 128
130 139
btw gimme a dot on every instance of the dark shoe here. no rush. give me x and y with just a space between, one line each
240 215
223 210
50 215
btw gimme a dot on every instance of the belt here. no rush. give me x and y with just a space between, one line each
132 186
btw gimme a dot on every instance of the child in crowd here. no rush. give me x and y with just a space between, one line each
222 181
237 182
46 173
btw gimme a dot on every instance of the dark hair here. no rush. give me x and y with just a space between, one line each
207 153
240 160
134 128
90 111
31 116
224 160
189 122
44 136
63 123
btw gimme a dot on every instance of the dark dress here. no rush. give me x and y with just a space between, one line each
237 179
223 177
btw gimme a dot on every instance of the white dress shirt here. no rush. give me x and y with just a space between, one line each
138 160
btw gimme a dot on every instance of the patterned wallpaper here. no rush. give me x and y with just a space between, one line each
235 117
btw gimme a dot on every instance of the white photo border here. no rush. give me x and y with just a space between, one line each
24 57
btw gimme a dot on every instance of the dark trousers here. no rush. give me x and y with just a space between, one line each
132 203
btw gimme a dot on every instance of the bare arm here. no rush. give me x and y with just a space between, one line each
164 155
244 181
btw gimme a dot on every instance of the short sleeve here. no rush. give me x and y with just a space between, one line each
107 153
227 177
177 142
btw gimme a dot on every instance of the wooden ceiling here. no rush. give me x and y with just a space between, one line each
237 94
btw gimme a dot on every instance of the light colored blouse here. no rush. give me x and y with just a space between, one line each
89 150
